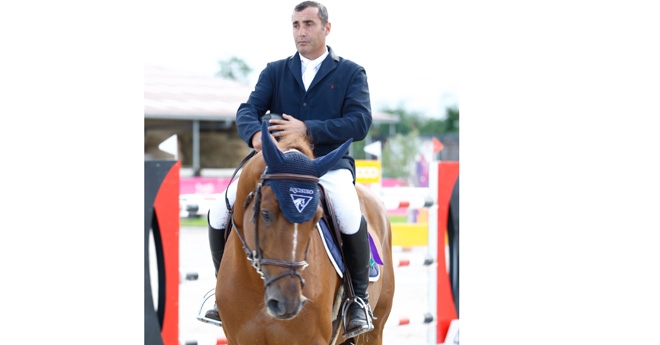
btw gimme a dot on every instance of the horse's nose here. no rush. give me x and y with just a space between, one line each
284 308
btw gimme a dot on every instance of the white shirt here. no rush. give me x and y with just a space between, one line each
314 64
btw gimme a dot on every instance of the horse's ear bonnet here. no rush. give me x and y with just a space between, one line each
298 199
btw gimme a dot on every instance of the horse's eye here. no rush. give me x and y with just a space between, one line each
265 215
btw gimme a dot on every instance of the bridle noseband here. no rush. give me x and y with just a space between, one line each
255 256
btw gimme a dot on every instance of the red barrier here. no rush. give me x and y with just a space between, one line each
166 207
447 173
162 219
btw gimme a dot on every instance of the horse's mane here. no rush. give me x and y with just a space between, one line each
302 144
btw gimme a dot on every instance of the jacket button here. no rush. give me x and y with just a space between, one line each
304 104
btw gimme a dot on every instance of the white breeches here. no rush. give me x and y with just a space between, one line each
337 183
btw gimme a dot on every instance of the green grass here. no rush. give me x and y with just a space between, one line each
399 219
201 221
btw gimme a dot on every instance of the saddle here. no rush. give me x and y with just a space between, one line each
330 220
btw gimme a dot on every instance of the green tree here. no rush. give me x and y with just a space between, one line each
409 121
399 153
452 120
234 68
357 149
400 150
434 127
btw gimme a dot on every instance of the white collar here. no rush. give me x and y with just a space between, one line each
316 61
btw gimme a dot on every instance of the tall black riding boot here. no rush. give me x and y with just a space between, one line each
217 244
356 254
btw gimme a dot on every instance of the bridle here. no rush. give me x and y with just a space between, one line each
255 256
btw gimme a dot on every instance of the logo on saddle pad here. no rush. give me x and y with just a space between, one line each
301 197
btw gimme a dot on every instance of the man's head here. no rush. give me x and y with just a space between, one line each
310 26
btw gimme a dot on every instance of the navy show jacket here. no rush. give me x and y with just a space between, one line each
336 106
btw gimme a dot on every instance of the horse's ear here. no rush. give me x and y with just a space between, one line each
272 155
325 163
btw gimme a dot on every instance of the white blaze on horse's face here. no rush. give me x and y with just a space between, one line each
295 241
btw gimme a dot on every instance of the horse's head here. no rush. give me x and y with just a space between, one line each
284 212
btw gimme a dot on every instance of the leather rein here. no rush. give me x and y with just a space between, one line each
255 256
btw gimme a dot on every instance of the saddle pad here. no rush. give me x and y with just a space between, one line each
335 256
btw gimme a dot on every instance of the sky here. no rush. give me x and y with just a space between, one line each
408 49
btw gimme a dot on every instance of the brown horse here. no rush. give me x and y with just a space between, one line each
287 291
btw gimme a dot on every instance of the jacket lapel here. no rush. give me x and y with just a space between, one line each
295 67
328 65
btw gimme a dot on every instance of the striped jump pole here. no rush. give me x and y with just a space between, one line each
434 234
395 203
405 320
412 233
412 261
205 341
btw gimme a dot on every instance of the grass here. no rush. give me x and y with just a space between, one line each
201 221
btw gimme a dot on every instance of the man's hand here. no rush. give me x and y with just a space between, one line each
256 141
289 126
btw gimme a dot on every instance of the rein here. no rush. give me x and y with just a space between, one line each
256 256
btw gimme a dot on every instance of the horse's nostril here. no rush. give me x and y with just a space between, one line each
275 307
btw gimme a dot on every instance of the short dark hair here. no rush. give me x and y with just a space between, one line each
323 12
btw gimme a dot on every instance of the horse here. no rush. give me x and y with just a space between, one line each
288 291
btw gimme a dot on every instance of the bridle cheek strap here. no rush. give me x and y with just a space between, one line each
255 256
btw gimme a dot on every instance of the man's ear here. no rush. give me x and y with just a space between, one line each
327 28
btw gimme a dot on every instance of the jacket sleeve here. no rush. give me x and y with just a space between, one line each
356 115
249 114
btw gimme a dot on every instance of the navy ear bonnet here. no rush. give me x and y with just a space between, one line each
298 199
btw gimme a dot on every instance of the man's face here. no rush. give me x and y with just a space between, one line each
308 32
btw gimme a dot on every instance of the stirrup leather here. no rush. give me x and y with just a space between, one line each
201 313
367 311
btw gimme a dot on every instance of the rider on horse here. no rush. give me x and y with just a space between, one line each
330 109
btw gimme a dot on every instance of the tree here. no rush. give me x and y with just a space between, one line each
399 154
409 121
400 150
234 68
434 127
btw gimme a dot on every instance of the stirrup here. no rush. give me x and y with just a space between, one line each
201 314
367 311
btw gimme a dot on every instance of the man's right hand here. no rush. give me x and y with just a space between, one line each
256 141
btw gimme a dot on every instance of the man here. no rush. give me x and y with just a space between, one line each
325 97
